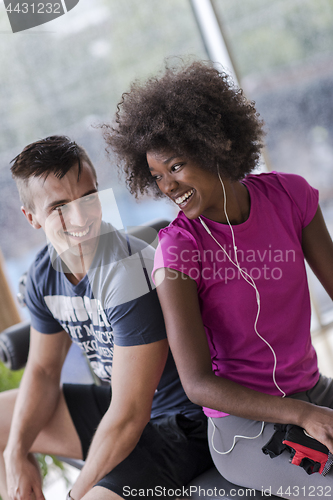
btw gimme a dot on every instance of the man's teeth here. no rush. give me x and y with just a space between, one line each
80 234
181 199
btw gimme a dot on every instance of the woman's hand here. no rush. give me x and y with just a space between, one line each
318 423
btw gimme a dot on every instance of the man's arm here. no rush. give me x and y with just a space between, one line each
179 300
37 399
135 375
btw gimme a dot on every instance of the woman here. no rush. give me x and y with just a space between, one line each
230 270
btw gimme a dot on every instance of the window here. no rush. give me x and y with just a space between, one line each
66 76
282 50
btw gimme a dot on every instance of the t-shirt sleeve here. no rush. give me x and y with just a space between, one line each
304 196
138 322
177 249
41 318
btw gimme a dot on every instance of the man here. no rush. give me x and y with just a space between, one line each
91 285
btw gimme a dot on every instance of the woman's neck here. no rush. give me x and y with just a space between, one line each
238 203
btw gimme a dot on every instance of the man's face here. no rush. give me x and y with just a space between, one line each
69 212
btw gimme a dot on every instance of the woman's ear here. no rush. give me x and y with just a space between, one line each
30 218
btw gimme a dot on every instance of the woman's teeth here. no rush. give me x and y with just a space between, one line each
80 234
185 196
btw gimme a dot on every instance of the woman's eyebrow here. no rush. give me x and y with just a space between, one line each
165 162
170 159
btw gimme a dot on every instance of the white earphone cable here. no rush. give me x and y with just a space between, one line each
251 282
235 437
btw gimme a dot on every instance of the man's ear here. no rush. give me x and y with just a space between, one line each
30 218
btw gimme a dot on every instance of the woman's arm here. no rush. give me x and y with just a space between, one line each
318 251
179 299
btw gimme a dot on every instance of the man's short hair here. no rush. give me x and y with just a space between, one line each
55 155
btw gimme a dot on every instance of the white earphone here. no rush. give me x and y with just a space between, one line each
251 282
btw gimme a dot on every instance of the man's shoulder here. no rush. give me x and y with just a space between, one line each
41 265
118 249
117 245
43 277
121 270
40 283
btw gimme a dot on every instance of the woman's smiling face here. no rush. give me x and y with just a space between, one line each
195 191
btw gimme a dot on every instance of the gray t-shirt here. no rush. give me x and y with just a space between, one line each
115 303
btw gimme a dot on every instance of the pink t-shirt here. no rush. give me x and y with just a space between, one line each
269 249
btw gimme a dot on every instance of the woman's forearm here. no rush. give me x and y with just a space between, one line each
227 396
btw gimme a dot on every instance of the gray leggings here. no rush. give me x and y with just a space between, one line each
247 466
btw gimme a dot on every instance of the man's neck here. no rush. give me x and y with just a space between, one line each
75 278
75 267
